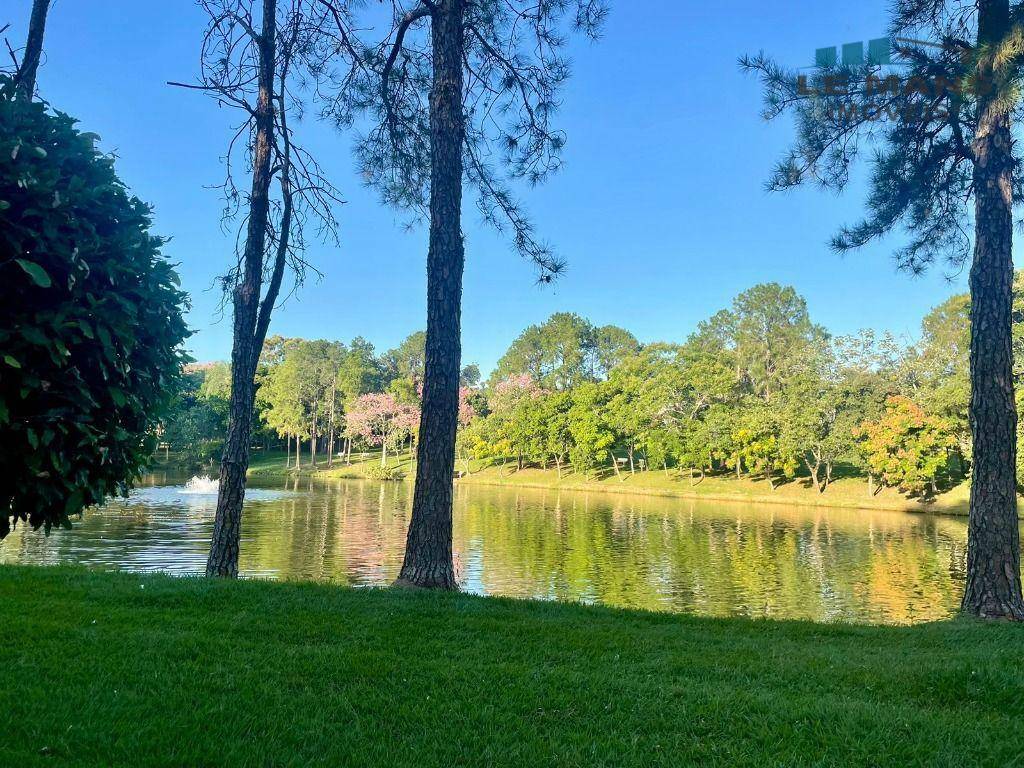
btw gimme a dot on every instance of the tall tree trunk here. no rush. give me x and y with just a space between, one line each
993 587
287 451
249 321
25 78
223 558
330 439
428 547
312 439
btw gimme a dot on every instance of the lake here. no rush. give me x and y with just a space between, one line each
708 558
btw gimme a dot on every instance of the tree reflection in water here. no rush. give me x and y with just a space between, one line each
709 558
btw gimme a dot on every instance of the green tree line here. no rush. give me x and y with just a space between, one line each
757 390
314 398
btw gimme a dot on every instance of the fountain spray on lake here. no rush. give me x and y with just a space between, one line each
201 486
198 494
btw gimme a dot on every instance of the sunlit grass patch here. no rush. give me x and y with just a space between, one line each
116 669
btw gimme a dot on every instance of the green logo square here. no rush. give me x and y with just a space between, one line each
853 54
880 51
825 57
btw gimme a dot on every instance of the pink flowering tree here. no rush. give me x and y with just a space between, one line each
466 409
468 437
513 390
380 419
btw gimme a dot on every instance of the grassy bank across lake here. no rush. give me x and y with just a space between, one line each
116 669
844 493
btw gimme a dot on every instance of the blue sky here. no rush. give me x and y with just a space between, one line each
660 209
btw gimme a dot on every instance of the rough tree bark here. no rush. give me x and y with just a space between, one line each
993 587
25 79
428 549
250 324
313 436
330 439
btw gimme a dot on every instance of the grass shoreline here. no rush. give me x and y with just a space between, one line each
116 668
844 493
817 500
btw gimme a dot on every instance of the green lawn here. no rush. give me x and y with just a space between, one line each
272 464
114 669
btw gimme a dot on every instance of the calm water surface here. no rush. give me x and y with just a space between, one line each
708 558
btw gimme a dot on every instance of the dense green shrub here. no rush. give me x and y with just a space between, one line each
90 321
389 474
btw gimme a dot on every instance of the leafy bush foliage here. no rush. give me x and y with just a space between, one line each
908 448
90 323
377 472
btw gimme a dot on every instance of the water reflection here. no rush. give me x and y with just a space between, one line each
659 554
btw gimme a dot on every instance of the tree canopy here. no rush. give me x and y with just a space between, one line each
566 350
938 134
91 327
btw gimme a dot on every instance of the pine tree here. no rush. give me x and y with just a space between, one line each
938 129
452 85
